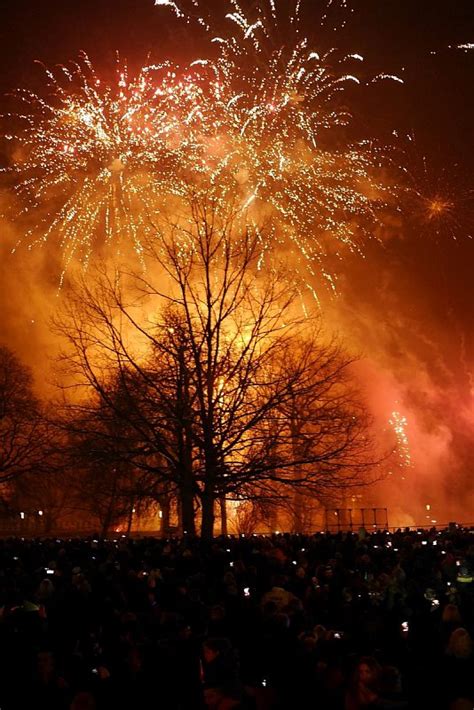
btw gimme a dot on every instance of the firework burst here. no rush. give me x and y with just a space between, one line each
257 119
435 201
275 113
89 160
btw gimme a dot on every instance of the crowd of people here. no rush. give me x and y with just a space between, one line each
329 621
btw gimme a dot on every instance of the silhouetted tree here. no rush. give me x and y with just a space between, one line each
24 438
232 390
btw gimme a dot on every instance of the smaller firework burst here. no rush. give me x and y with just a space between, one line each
436 201
90 162
399 424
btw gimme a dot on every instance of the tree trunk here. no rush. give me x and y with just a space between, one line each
207 522
165 515
106 523
223 515
185 448
109 514
187 510
130 519
298 499
298 512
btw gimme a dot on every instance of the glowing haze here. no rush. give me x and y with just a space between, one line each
247 97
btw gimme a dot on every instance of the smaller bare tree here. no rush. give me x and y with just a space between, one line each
24 432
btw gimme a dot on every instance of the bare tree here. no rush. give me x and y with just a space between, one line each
115 472
321 428
45 501
231 389
251 516
23 431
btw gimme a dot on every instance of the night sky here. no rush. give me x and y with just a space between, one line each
408 306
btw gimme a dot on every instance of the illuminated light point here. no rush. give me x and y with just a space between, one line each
40 512
428 506
22 515
160 514
134 510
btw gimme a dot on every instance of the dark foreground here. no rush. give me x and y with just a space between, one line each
336 622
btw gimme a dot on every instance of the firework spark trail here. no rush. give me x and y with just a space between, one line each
466 47
250 120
